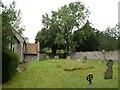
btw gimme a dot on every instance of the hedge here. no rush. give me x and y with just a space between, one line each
10 62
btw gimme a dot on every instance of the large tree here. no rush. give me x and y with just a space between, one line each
61 24
11 20
10 23
109 39
87 38
48 34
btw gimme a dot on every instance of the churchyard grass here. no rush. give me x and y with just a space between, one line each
51 74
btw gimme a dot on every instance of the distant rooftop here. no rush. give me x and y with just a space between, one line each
31 48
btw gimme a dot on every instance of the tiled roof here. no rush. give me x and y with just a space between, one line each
31 48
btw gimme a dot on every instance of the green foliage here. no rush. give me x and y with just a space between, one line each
114 31
90 39
59 27
87 38
109 39
68 29
10 62
11 20
108 43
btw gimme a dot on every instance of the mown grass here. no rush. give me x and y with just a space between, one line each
51 74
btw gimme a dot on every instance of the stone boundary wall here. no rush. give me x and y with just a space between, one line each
30 57
96 55
42 55
90 55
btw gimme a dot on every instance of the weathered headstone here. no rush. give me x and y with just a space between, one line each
104 56
84 59
109 72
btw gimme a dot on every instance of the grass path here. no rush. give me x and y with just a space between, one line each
51 74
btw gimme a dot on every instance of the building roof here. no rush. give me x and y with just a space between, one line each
31 48
19 37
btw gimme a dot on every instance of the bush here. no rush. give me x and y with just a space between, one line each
10 62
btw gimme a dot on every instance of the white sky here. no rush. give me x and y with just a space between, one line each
104 13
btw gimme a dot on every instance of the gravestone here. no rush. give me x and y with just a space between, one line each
104 56
109 72
84 59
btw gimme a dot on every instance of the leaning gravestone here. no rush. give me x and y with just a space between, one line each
109 71
84 59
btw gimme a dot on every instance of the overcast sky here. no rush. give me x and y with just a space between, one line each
104 13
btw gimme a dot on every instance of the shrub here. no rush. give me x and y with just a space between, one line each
10 62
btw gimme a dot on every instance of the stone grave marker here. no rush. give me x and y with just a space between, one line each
109 72
104 56
84 59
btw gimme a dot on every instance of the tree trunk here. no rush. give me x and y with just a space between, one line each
54 50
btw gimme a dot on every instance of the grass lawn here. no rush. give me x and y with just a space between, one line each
52 74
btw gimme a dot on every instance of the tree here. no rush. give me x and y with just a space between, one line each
62 23
86 38
70 17
118 28
113 32
109 39
48 34
10 21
